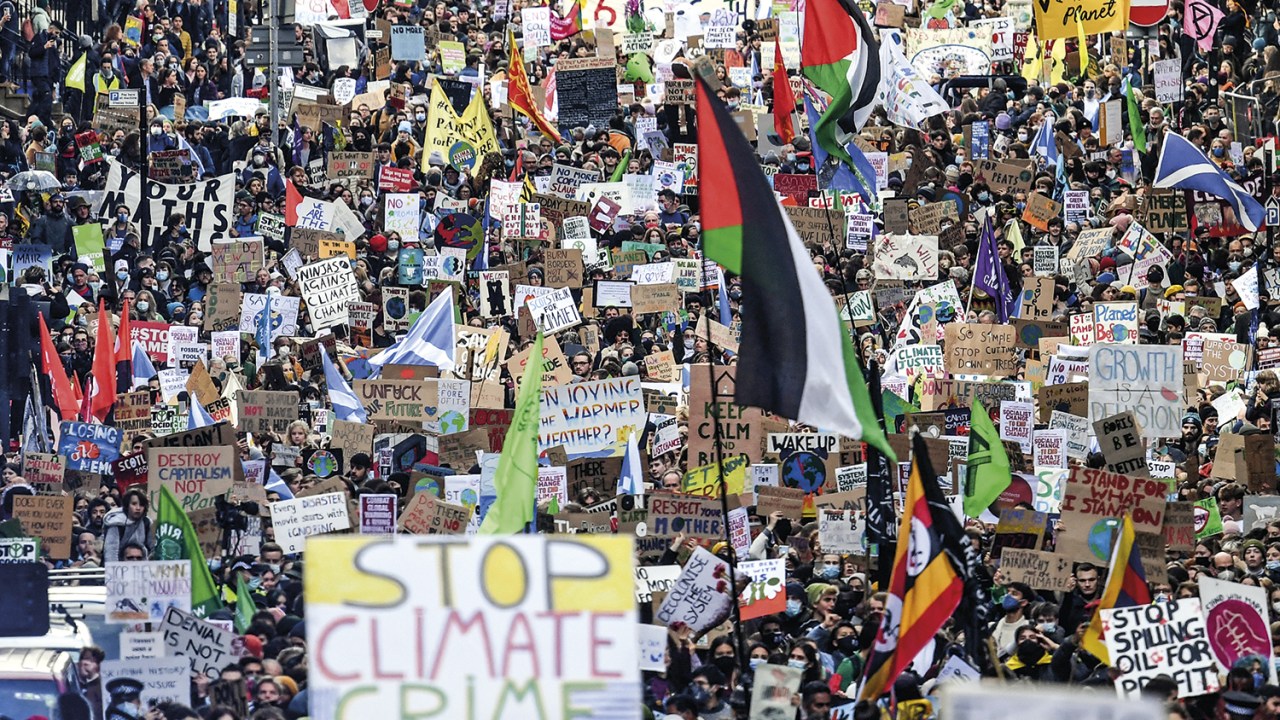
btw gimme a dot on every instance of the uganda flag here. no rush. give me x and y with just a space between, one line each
796 358
1126 587
927 584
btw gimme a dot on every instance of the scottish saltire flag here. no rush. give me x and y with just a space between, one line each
143 370
346 406
262 333
429 342
1043 144
1183 166
197 417
276 484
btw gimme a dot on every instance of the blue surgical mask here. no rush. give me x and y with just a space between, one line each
1234 265
797 664
1010 603
757 662
1048 627
1273 564
829 572
1219 151
162 275
794 607
254 583
122 275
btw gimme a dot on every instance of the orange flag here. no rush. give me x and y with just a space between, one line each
520 95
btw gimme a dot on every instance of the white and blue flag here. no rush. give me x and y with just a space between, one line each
346 406
429 342
1182 165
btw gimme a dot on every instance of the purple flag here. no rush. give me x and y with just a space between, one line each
988 274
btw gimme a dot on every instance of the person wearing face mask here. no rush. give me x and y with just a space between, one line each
1014 605
706 687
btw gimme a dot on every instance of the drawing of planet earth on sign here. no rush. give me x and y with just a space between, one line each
396 307
459 230
323 463
452 421
1101 536
1120 332
804 470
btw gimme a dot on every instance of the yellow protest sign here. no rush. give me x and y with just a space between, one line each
1057 19
705 481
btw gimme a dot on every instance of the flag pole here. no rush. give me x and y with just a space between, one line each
739 638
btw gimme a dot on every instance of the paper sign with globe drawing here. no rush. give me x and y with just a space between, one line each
1092 505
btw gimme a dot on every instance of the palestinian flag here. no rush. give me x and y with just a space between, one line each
840 56
927 583
796 358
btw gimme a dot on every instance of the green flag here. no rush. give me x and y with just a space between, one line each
1208 518
516 481
620 171
987 472
244 605
176 540
1135 121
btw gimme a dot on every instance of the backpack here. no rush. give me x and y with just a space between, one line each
28 30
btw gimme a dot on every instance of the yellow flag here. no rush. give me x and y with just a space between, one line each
1083 42
1032 59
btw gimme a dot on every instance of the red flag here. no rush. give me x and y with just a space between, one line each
86 412
520 95
103 395
63 395
784 100
292 199
75 388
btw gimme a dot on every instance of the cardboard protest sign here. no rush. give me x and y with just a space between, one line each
1160 639
1019 529
328 287
1040 570
296 519
207 647
586 579
142 591
741 431
842 531
1179 527
44 471
1116 322
1236 622
162 680
428 515
700 597
983 349
407 401
788 501
590 416
765 593
696 517
266 411
196 476
1092 502
49 518
1223 362
1146 379
1120 439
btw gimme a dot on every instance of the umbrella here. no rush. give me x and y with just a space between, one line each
34 180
